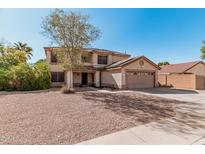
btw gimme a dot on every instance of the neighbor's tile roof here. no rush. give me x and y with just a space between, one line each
178 68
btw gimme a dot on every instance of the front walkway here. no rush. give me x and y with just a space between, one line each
187 127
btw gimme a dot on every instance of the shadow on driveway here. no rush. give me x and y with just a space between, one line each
181 117
137 106
167 91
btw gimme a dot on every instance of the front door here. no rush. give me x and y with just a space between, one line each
84 78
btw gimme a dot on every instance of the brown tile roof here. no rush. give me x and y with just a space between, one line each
178 68
119 63
129 60
97 50
105 50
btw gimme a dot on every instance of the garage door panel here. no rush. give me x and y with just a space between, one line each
139 80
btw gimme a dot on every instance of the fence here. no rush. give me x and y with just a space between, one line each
188 81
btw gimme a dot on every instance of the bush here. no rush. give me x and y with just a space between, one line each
22 77
4 79
42 76
25 77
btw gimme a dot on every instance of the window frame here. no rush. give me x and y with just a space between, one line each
100 61
58 77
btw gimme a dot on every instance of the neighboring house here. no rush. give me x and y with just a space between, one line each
189 75
105 68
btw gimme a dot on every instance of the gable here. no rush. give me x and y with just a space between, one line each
136 65
198 69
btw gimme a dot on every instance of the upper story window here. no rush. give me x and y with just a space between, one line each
86 58
53 58
102 59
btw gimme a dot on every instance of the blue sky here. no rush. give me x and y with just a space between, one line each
173 35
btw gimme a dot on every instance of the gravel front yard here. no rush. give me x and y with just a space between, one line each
55 118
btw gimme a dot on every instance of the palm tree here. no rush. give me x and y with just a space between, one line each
24 47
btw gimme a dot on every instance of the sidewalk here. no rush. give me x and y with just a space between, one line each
148 134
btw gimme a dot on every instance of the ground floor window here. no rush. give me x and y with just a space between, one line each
57 76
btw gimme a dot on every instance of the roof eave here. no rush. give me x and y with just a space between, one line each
95 51
113 68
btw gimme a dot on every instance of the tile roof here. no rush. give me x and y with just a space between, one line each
105 50
129 60
178 68
119 63
98 50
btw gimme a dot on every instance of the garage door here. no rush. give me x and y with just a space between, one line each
139 79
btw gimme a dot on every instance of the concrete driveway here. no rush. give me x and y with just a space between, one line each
186 127
197 96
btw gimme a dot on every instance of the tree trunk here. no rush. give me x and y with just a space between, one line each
69 76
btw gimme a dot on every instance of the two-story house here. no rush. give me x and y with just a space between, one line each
105 68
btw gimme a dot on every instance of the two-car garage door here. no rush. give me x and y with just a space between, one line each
139 79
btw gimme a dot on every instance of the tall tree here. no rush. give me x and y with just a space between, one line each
71 32
24 47
203 51
163 63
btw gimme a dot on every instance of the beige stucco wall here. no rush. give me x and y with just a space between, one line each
162 79
136 65
198 69
56 68
200 82
189 81
111 78
117 58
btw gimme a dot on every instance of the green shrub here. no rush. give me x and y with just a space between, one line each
22 77
42 75
4 79
25 77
